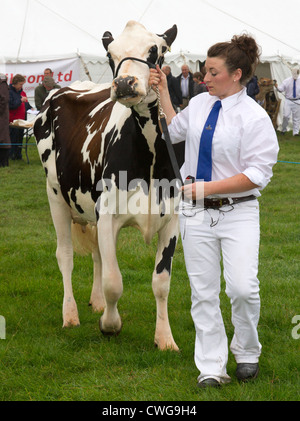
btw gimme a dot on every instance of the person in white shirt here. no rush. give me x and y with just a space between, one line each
186 84
291 88
225 220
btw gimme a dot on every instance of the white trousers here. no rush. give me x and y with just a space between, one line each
291 109
235 235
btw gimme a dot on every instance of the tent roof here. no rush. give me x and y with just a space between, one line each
37 30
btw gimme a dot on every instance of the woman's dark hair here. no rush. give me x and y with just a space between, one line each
241 52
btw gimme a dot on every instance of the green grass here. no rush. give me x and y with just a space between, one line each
40 361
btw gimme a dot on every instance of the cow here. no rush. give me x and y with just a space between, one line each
107 167
267 99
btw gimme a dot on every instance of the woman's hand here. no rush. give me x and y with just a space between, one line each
194 191
158 79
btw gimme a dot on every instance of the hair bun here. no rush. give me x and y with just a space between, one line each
248 45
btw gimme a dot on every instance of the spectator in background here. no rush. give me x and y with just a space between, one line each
174 90
291 89
18 107
4 121
199 86
252 87
42 91
50 73
186 84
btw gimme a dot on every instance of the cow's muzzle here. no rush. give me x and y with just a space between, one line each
125 87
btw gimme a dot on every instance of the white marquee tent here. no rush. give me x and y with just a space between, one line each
66 34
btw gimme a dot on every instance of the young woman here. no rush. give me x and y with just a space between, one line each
244 149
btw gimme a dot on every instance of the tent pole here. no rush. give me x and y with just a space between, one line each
85 67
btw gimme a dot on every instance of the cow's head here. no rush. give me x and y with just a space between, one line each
266 85
130 85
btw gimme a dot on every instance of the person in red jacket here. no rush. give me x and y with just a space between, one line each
18 106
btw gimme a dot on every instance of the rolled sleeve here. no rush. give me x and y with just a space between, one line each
260 151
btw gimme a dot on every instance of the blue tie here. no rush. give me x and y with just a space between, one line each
204 160
294 89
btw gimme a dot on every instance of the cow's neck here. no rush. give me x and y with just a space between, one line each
146 116
145 109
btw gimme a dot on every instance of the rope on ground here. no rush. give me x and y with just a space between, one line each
289 162
16 144
22 144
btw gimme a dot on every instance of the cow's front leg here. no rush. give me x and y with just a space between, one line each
110 322
61 217
167 240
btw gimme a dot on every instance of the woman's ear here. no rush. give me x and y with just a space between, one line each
237 74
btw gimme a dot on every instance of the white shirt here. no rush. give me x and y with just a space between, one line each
287 86
244 140
185 86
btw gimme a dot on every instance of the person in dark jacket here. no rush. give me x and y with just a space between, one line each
174 90
42 91
186 85
18 107
4 121
252 88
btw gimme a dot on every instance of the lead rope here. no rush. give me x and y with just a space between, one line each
161 113
163 121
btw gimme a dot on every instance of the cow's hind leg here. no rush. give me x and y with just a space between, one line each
85 241
97 300
167 239
110 322
64 253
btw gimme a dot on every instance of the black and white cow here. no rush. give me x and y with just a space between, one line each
107 167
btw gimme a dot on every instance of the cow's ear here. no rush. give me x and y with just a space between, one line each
107 38
170 35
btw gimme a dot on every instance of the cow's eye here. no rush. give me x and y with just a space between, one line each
111 62
152 54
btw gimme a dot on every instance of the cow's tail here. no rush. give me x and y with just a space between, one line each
84 238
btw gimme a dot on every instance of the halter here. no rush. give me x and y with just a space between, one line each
150 65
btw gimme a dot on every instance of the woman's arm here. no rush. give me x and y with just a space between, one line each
236 184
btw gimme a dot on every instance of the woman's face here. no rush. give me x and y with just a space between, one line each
219 82
18 86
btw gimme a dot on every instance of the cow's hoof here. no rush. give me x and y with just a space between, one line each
115 332
166 346
70 324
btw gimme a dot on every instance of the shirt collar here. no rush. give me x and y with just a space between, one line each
231 100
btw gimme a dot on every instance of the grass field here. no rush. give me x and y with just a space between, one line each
40 361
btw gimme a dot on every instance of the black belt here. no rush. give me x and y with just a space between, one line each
218 203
